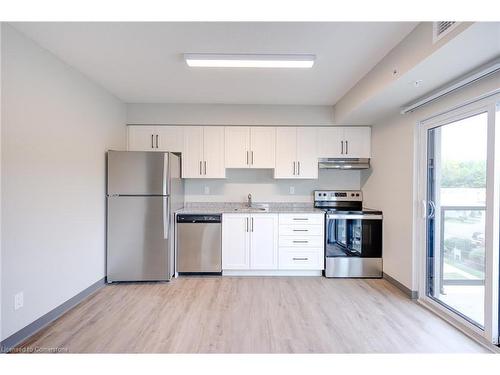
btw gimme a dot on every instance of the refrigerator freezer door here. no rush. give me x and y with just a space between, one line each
138 173
137 247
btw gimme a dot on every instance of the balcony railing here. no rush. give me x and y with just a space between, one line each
462 253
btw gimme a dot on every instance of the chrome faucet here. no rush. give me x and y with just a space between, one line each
249 202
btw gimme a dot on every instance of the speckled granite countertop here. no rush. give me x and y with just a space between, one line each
237 207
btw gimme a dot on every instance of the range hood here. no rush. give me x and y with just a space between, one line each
343 163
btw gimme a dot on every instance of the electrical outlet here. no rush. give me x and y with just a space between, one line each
292 189
207 190
18 300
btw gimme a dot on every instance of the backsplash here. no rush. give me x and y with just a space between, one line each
264 188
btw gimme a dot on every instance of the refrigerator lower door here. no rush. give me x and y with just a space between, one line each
138 245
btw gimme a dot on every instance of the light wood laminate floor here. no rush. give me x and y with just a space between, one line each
252 315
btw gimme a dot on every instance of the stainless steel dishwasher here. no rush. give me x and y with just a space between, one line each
199 239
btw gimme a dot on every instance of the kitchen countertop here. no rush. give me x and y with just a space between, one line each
230 207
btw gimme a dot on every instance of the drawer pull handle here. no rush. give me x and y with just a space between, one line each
300 218
300 258
301 230
300 241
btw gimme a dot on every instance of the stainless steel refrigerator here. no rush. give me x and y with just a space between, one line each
144 189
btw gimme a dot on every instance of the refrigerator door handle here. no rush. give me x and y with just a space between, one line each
166 179
166 217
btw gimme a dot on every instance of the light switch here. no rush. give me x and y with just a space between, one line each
207 190
292 189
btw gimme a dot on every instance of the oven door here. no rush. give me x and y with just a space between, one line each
354 235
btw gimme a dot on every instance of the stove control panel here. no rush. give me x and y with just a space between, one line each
338 195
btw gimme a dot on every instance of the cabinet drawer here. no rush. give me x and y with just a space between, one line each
292 259
302 219
301 241
301 230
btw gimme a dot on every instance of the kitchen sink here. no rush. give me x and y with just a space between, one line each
253 208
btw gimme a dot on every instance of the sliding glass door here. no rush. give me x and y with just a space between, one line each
456 196
460 192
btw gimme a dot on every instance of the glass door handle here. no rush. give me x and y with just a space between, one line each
432 205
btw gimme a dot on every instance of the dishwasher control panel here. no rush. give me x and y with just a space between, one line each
199 218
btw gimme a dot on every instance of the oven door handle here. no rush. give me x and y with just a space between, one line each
354 217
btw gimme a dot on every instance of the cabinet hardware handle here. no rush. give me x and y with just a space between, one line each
346 147
246 224
298 168
200 168
156 140
205 163
247 158
252 157
342 147
152 141
300 241
300 258
301 230
294 168
252 225
300 218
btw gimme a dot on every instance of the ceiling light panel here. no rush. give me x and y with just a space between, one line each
248 60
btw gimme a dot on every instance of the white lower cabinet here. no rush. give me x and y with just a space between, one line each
301 241
249 241
235 242
271 242
263 241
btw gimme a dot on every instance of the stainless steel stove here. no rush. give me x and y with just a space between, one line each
353 234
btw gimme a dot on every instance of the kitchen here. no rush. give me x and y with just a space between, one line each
192 204
262 230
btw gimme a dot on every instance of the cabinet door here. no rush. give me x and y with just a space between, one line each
329 142
264 241
358 142
237 142
307 153
262 147
286 153
170 138
192 156
235 242
213 152
141 138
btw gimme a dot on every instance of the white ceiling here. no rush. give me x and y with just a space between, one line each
479 44
142 62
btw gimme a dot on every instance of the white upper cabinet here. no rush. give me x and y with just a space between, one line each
344 142
307 153
357 141
296 153
293 152
203 155
237 146
250 147
155 138
329 142
213 151
192 157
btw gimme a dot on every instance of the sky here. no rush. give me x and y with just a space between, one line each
465 139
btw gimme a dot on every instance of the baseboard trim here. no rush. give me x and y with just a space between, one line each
412 294
23 334
272 273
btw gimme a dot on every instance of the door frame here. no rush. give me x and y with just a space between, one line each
490 105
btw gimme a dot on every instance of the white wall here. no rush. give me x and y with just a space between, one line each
57 126
390 184
229 114
264 188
